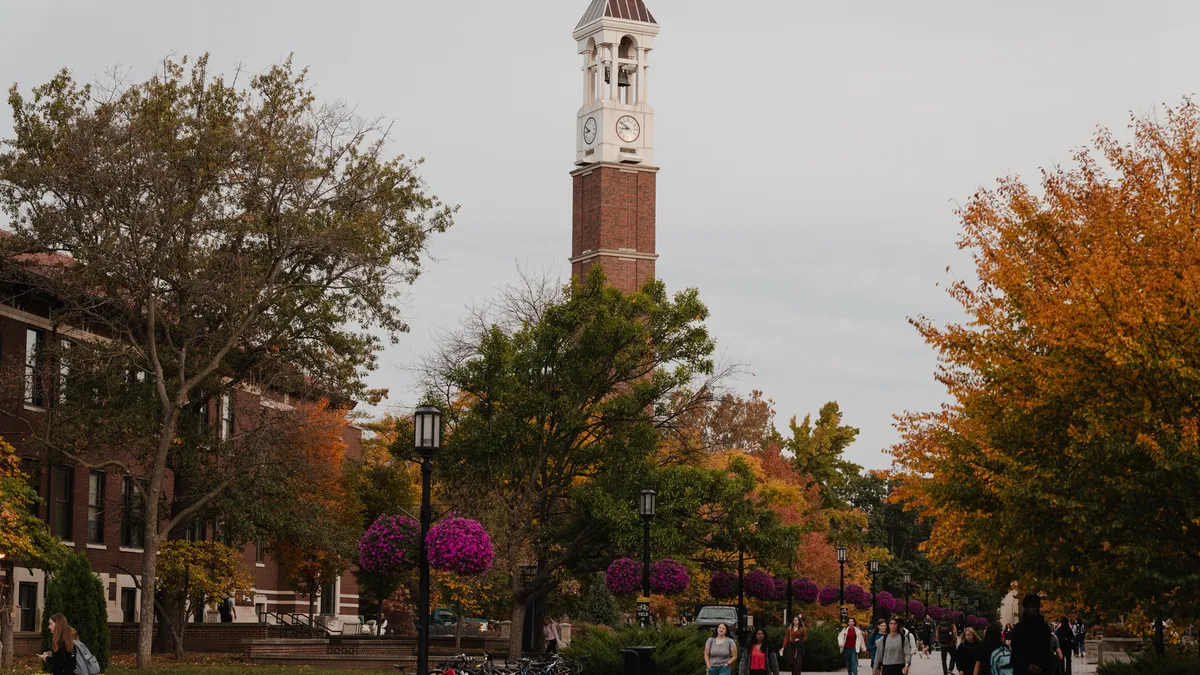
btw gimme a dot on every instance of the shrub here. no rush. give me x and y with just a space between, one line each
821 653
679 651
1149 663
77 594
599 605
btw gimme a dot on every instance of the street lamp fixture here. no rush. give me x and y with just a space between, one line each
927 585
873 568
427 438
646 510
907 587
841 551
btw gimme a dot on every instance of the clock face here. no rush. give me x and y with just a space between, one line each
589 130
628 129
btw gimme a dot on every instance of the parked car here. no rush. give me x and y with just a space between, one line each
709 616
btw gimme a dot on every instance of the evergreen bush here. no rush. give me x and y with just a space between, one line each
821 653
599 606
77 594
678 650
1149 663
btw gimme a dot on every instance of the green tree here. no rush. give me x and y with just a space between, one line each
194 575
599 605
227 238
77 594
562 391
818 449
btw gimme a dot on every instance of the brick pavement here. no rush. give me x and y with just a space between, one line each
933 666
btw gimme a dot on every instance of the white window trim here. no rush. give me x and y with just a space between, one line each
130 549
98 547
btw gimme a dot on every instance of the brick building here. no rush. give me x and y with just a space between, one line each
95 511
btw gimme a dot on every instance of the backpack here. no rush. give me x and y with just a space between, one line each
85 663
945 637
1002 661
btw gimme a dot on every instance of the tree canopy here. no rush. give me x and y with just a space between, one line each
217 234
1068 456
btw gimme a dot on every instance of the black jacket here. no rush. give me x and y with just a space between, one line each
1031 646
61 662
1066 639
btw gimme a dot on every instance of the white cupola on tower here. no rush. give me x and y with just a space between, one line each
616 122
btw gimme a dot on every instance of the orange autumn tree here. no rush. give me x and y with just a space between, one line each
1068 457
317 539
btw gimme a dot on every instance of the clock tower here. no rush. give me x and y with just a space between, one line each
613 184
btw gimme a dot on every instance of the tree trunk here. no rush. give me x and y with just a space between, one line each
517 630
7 606
145 643
311 606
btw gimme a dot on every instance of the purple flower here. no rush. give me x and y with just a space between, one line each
865 602
760 585
883 600
938 613
668 577
854 594
898 605
804 590
829 595
916 608
459 545
624 575
722 585
389 544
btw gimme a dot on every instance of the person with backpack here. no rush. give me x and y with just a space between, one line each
68 656
992 642
873 641
1031 641
1080 636
892 653
85 663
1066 643
926 634
1000 658
947 637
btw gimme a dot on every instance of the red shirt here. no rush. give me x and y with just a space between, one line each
758 658
851 639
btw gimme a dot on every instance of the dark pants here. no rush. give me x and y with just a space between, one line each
893 670
851 656
1065 667
947 653
551 646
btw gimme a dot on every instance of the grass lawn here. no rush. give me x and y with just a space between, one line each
193 664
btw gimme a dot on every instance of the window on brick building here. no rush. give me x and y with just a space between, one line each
132 535
64 502
27 602
129 605
227 414
328 606
33 473
35 384
194 531
96 485
260 552
64 370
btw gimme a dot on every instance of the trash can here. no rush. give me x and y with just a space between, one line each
638 660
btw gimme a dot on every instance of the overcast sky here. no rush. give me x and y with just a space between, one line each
811 152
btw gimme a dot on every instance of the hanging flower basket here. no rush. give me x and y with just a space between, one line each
981 622
883 600
854 594
829 595
390 544
972 619
760 585
459 545
722 585
865 602
916 608
668 577
624 575
938 613
898 605
805 591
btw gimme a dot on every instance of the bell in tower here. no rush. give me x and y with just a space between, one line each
615 179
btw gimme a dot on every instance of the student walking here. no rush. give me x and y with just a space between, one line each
947 637
873 641
1066 644
760 657
967 656
852 641
720 652
793 645
1031 641
993 641
892 655
925 631
61 657
550 632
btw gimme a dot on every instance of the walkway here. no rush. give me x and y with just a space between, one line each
933 666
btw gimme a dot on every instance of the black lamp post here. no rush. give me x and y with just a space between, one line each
791 564
841 551
873 568
907 586
646 510
939 596
926 600
952 606
427 424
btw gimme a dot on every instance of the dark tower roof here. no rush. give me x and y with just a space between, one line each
630 10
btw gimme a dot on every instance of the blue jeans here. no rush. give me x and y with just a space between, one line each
719 670
851 660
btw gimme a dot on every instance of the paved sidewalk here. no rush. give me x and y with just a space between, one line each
933 666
